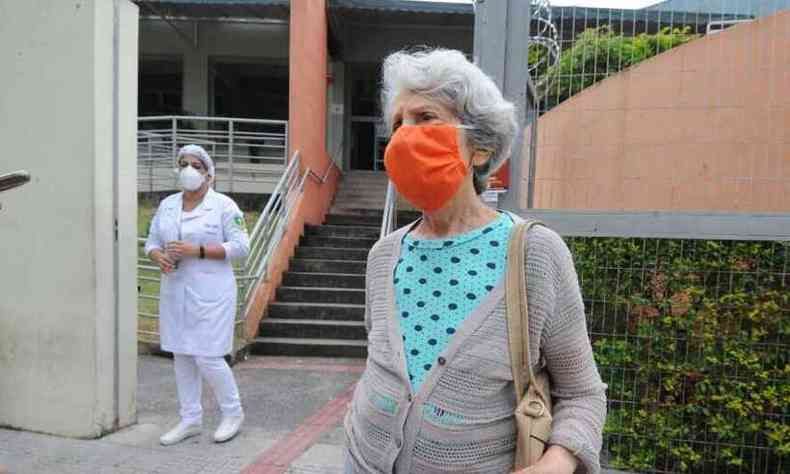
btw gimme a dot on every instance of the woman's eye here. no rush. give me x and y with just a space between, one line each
427 117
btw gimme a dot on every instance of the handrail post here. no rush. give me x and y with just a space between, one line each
388 218
285 144
173 144
230 153
173 133
150 167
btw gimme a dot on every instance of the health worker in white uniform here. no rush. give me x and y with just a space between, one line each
194 237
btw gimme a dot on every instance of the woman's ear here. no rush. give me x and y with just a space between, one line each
481 157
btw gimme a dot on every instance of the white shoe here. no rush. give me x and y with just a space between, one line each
228 428
181 432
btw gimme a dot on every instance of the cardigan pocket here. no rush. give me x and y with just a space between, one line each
358 464
380 403
488 449
471 391
373 424
450 419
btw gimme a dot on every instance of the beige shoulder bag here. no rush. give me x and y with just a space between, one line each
533 411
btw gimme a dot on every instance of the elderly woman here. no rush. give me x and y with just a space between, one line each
437 393
194 236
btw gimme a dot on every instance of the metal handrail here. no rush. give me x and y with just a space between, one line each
244 150
13 180
268 230
718 26
265 238
156 118
389 217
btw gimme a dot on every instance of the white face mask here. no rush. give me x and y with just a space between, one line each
190 179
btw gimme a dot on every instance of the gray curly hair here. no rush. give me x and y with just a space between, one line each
449 78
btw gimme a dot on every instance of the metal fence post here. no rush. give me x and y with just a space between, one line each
501 46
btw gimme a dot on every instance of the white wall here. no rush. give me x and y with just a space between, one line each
68 107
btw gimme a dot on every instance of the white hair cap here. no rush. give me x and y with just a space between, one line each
200 153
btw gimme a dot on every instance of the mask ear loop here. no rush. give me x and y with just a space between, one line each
470 168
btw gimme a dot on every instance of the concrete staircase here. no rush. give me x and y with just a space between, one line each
361 190
320 306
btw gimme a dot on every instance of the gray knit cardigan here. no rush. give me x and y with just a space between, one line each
461 419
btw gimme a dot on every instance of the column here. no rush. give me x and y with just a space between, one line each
307 98
68 303
196 88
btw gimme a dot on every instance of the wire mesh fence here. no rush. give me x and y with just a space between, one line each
693 339
576 47
677 106
691 333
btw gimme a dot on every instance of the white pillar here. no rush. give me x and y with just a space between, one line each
196 88
68 298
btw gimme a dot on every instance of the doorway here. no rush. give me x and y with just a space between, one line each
367 131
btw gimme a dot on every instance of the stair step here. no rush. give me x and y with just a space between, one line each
367 232
362 192
340 208
312 329
362 188
306 265
309 347
365 175
329 253
347 219
361 211
372 203
368 177
314 311
378 213
320 295
337 242
335 280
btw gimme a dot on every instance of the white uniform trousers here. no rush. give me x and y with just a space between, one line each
189 384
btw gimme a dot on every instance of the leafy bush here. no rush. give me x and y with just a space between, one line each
596 54
693 338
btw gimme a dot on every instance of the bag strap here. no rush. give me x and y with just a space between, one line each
518 308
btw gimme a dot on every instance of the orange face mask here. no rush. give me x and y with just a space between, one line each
425 165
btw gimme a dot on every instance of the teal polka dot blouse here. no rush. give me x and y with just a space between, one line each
438 283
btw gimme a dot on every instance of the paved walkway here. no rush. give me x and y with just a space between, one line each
293 407
293 413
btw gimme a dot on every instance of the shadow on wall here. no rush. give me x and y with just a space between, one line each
704 126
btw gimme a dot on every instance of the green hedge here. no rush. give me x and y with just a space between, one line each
693 339
596 54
